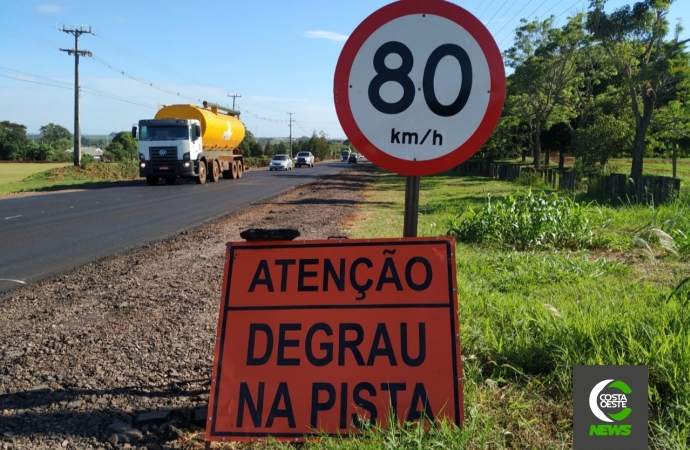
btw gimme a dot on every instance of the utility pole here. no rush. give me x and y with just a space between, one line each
234 96
291 113
76 52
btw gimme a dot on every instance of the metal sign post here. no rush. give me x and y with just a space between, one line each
411 206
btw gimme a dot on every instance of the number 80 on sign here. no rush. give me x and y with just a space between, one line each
419 86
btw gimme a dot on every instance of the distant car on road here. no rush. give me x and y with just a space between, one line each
281 162
352 158
304 159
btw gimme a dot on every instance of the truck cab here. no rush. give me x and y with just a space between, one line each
345 154
168 148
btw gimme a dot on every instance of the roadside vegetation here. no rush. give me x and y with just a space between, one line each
64 176
545 283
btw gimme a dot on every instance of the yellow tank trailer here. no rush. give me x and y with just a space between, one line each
188 141
221 130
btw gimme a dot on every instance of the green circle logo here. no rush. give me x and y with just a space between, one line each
613 401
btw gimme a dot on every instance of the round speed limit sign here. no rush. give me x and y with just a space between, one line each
419 86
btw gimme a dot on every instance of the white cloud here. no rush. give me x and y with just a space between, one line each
49 9
320 34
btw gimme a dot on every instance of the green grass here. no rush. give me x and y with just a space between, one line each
655 166
527 317
11 172
64 176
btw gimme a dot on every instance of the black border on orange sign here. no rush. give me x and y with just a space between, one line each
352 46
225 307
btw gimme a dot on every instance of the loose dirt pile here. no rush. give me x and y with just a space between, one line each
118 353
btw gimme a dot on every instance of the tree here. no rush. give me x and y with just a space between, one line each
40 152
558 138
545 74
268 149
633 37
318 145
52 133
673 125
61 144
282 147
606 137
129 145
246 144
501 143
115 152
13 140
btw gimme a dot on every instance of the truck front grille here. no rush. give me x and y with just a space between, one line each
163 155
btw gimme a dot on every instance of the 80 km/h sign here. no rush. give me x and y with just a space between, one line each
419 86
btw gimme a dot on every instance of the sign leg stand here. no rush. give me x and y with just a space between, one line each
411 206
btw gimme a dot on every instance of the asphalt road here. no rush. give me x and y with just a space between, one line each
41 236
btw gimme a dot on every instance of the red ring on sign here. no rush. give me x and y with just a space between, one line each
354 43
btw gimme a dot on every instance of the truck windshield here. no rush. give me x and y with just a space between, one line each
163 133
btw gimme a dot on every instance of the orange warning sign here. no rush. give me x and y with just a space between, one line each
326 336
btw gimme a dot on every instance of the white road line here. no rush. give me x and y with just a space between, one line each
16 281
12 217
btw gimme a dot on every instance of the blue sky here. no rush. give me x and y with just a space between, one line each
279 56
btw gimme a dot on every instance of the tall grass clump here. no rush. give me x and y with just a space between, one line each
524 221
533 180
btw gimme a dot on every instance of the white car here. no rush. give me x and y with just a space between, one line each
304 159
280 162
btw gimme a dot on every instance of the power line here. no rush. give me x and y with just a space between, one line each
69 85
497 10
548 11
324 123
35 82
537 8
486 7
298 124
86 90
569 8
138 80
514 16
131 54
544 14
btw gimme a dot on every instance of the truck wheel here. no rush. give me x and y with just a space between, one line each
240 169
233 170
201 179
213 171
151 180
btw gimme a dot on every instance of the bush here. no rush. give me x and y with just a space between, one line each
62 156
257 161
526 221
86 161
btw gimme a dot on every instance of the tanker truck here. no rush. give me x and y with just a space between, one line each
188 141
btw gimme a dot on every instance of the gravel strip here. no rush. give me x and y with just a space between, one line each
118 353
